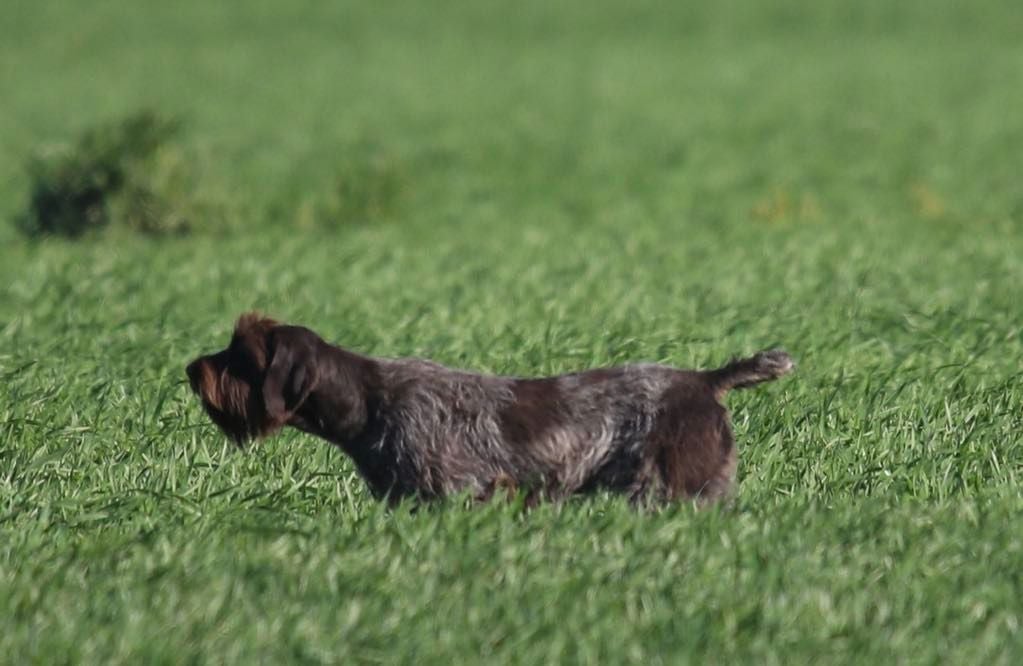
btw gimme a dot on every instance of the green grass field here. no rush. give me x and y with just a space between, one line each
564 186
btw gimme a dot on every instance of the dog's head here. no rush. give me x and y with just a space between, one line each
253 387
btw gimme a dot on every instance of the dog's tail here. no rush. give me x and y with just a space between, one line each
740 373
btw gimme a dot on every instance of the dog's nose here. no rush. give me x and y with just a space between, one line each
192 370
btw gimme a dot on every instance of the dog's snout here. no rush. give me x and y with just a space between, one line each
193 370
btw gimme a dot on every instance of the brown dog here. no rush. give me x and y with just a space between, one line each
418 429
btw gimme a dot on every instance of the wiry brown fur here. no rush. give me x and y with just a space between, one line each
418 429
229 381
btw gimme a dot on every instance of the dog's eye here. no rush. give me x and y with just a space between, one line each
235 363
237 354
241 364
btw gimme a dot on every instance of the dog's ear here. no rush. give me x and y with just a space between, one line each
289 379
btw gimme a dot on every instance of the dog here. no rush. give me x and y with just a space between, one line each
419 430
